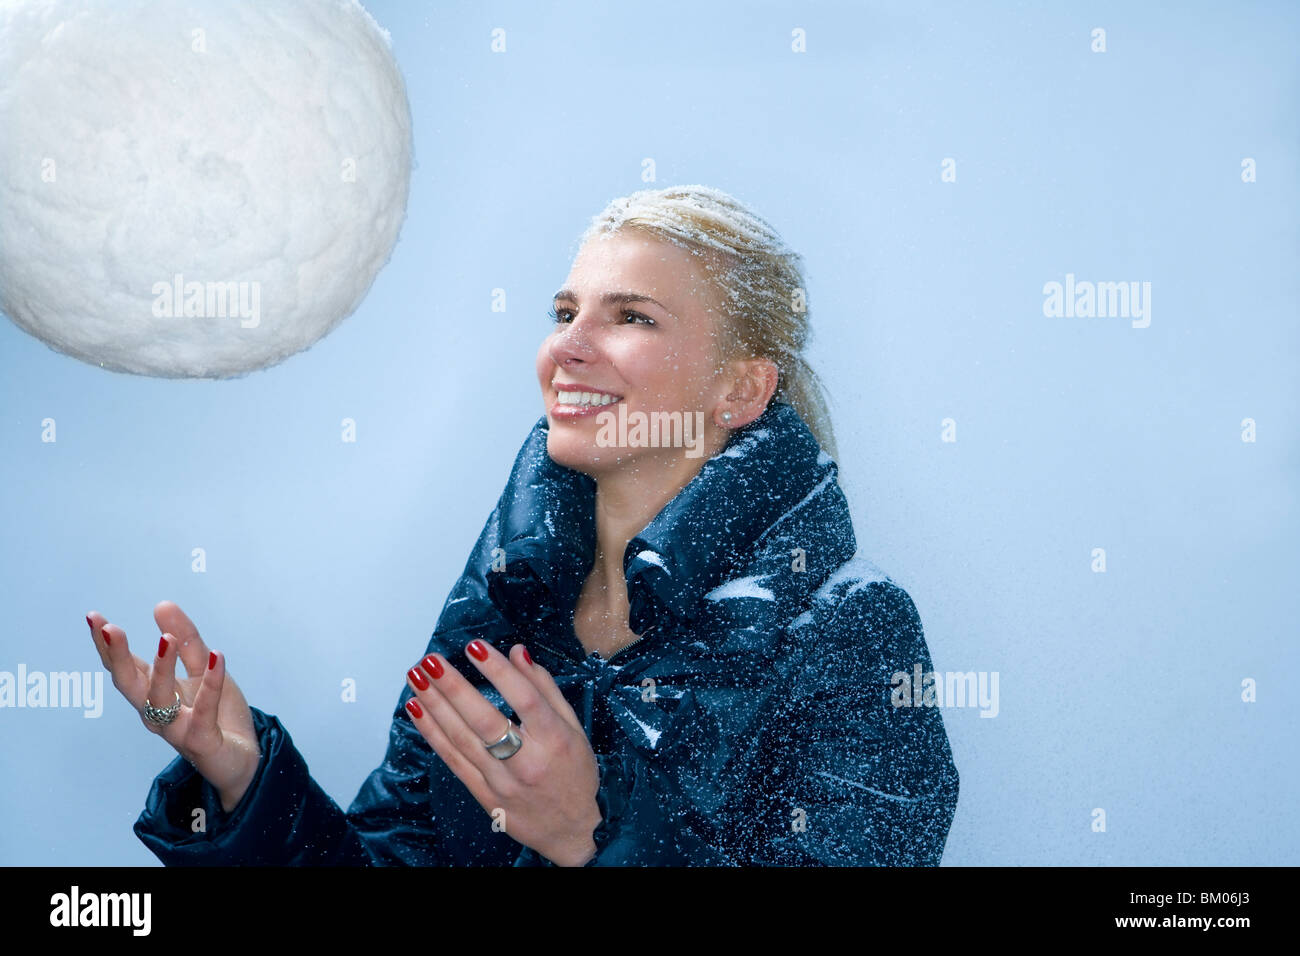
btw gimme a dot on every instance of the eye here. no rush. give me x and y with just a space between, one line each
640 319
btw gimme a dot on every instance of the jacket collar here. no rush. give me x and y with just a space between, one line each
767 502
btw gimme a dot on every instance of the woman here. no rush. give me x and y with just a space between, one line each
662 649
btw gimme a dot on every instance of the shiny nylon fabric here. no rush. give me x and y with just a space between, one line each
750 724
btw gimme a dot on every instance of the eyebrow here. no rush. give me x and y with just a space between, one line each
613 298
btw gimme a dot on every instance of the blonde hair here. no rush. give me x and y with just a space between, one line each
759 281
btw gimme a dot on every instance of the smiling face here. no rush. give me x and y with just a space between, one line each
635 325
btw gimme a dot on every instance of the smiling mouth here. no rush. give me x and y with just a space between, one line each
586 399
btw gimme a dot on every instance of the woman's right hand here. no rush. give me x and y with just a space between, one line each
214 729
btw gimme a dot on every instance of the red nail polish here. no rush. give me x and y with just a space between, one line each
431 664
413 708
162 646
90 624
477 650
527 656
107 639
419 680
212 660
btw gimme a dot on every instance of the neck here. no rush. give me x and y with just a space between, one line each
626 501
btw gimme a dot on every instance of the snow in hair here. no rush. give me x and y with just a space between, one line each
760 279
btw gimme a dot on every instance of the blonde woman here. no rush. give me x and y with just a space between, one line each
663 649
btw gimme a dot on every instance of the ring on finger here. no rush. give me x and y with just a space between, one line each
162 716
508 745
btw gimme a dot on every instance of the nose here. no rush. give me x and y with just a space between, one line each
573 343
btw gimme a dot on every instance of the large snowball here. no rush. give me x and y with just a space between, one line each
253 156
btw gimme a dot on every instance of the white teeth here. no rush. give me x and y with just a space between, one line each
585 398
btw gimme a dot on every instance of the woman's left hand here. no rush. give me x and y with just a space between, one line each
545 794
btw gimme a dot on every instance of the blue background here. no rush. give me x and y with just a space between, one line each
328 560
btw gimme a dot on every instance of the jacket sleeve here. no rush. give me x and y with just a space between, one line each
857 772
410 810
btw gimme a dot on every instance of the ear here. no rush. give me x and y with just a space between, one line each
752 387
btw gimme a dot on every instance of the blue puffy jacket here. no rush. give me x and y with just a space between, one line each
751 724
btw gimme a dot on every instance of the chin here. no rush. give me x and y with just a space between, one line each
578 452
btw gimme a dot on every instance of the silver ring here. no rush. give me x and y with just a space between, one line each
162 716
508 745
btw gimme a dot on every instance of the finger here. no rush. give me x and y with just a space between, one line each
434 683
546 685
534 711
101 647
456 762
193 652
162 681
130 674
208 697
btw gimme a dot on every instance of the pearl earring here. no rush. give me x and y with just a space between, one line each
726 416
